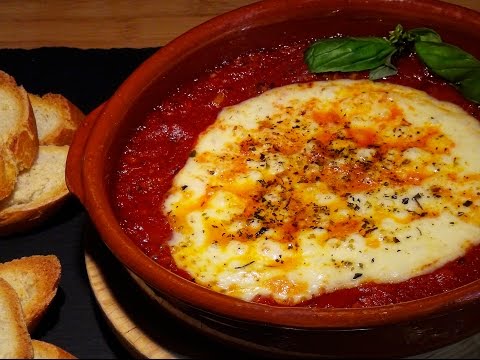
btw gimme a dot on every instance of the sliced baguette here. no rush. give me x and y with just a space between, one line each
38 192
18 133
57 118
45 350
35 280
15 341
8 173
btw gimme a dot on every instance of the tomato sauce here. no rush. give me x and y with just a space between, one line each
159 148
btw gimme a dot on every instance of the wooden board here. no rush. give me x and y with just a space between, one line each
110 24
147 331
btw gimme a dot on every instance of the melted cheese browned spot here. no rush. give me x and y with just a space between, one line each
310 188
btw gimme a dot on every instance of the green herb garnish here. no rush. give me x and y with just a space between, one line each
346 54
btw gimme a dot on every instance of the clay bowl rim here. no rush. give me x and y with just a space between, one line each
96 200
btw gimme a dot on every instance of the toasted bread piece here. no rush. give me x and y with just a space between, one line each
15 341
35 280
57 118
45 350
38 191
8 173
18 133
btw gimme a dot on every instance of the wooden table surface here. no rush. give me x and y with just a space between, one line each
110 24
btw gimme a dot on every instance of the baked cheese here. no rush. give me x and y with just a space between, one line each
314 187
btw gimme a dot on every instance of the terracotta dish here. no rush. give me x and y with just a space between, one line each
394 330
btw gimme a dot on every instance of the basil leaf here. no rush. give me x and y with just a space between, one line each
448 61
348 54
470 86
384 70
424 34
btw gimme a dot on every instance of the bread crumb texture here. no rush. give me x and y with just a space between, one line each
15 342
35 279
44 182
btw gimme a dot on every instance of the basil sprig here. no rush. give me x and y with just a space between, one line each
346 54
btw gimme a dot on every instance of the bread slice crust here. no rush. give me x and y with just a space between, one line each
35 279
15 341
45 350
57 118
18 133
8 173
